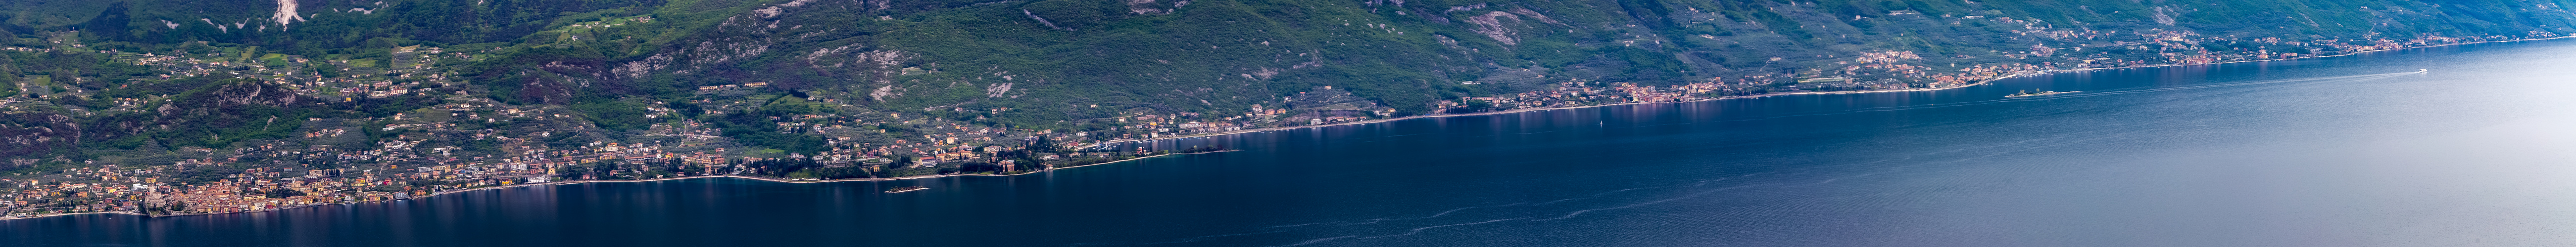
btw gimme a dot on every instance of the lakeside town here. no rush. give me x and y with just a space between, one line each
457 139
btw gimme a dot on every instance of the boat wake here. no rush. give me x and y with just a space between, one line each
1692 195
1319 240
1419 230
1987 155
1558 216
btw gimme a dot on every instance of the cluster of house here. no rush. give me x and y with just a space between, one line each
706 89
157 189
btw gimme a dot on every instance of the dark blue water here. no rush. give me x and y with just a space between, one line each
2344 151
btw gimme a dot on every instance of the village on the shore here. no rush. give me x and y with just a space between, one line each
472 142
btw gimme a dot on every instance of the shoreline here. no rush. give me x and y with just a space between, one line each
439 193
2017 74
1987 81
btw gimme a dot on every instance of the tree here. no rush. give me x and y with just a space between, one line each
284 193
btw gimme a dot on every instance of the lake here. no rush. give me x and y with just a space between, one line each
2342 151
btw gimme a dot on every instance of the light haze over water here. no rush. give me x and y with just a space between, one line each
2343 151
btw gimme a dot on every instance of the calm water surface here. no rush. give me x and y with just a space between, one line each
2345 151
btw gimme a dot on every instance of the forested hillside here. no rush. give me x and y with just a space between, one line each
1042 58
319 84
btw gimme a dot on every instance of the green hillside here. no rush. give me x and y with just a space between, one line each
138 82
1171 55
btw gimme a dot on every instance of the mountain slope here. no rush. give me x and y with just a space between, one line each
219 106
1078 65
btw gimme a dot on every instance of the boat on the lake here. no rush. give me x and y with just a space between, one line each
2027 93
905 189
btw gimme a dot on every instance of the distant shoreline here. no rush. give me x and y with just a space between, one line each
439 193
1978 83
